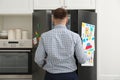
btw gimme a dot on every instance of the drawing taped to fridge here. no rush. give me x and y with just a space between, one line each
88 40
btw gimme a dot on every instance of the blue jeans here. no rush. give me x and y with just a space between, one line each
61 76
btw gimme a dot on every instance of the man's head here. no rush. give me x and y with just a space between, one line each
60 16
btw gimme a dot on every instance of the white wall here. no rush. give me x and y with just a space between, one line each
108 39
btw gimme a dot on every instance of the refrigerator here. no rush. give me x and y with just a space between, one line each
80 21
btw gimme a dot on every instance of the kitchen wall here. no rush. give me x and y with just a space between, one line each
23 22
108 39
1 22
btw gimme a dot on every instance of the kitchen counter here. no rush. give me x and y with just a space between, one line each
16 76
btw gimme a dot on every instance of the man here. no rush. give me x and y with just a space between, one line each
57 48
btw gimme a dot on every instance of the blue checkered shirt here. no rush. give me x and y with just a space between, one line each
57 48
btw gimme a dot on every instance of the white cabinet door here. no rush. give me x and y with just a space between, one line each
16 6
47 4
80 4
69 4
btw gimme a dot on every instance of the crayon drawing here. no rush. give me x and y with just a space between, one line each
88 40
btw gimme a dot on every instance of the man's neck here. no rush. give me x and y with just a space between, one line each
60 24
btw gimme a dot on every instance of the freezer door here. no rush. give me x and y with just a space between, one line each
41 23
88 72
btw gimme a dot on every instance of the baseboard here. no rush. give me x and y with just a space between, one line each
109 77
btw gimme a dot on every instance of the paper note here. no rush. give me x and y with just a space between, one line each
88 40
34 40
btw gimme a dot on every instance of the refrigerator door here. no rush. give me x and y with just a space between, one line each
41 23
88 72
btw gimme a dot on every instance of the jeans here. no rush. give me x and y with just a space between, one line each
61 76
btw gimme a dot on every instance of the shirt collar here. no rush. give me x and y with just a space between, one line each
60 26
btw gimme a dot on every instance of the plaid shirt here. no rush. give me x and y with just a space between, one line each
61 45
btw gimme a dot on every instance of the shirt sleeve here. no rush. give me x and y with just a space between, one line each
40 53
79 51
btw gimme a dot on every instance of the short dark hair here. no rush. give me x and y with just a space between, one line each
60 13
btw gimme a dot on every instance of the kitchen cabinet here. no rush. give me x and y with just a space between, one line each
16 6
46 4
68 4
80 4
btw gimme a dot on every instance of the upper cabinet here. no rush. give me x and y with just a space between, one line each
80 4
16 6
68 4
46 4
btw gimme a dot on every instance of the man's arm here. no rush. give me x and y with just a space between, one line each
79 51
40 53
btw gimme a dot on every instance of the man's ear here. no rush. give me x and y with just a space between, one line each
66 19
53 20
